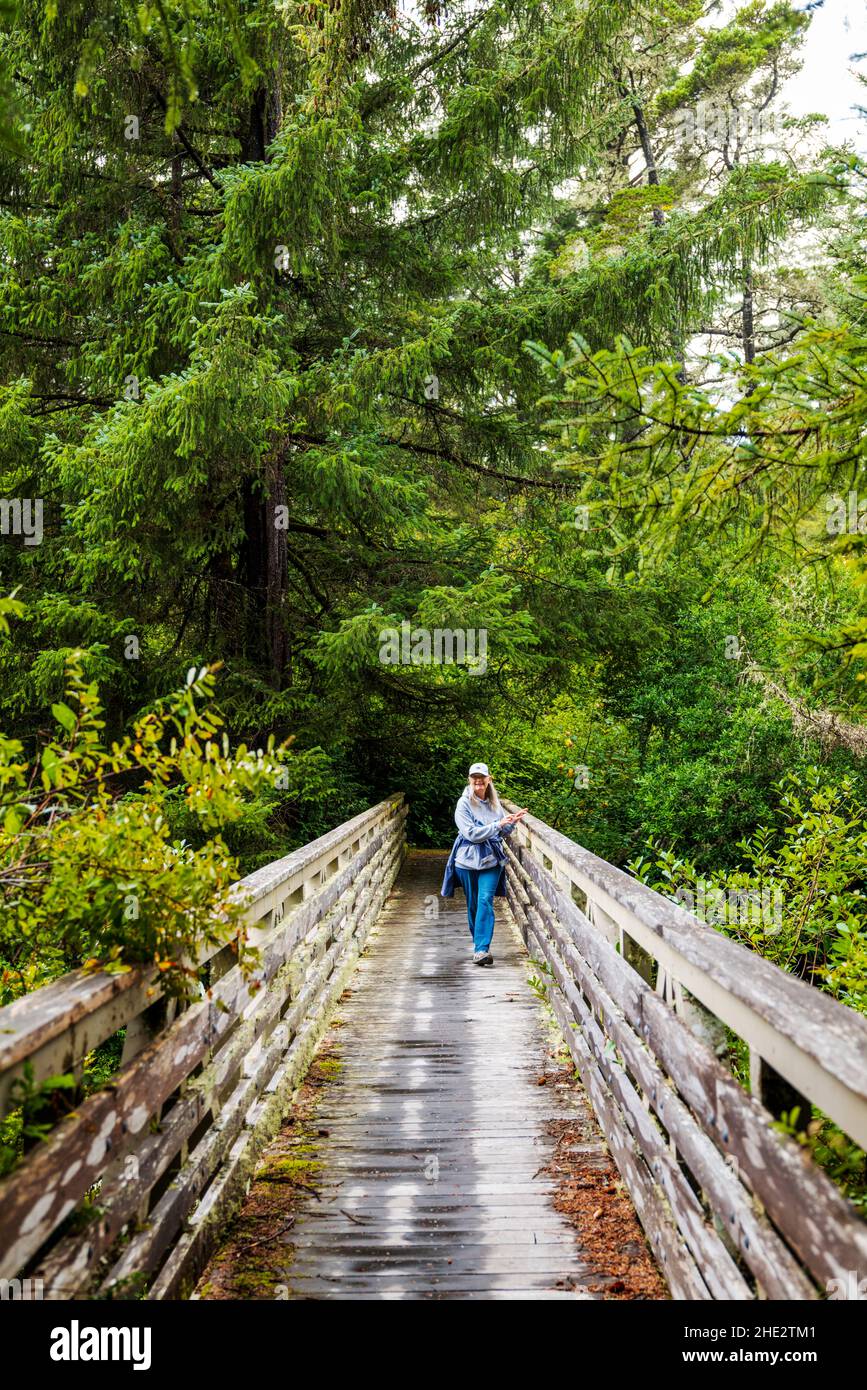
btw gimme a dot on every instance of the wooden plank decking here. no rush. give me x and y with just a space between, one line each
429 1182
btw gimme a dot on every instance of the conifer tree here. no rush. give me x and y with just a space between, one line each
246 262
268 278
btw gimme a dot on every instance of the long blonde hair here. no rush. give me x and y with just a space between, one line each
490 794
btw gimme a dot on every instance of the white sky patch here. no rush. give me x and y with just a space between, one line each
828 80
827 83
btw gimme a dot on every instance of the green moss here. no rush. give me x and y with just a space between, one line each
256 1281
288 1167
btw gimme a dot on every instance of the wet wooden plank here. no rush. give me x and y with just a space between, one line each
510 1286
522 1230
524 1295
441 1060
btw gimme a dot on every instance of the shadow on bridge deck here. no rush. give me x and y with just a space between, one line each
414 1164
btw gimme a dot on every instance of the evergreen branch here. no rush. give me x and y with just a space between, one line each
197 159
382 94
449 456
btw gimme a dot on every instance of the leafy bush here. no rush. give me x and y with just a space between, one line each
90 871
808 868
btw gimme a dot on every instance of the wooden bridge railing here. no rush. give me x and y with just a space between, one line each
131 1190
645 994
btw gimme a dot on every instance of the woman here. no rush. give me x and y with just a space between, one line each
478 859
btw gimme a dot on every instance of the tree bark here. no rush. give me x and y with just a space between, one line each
644 140
264 561
276 632
748 315
649 158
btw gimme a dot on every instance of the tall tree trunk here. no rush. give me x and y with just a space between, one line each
177 187
276 631
264 563
629 94
649 158
748 325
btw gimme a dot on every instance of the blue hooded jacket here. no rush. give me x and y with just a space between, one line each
478 838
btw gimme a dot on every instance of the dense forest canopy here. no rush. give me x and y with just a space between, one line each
541 323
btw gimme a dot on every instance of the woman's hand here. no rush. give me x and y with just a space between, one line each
514 817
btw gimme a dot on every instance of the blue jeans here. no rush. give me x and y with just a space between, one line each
479 886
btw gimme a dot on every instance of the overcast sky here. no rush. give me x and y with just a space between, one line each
827 82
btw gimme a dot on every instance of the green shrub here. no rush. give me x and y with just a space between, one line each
90 871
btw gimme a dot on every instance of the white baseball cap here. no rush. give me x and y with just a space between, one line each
479 768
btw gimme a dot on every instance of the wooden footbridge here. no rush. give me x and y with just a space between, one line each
433 1176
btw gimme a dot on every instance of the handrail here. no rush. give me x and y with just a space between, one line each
817 1044
56 1026
172 1139
640 987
